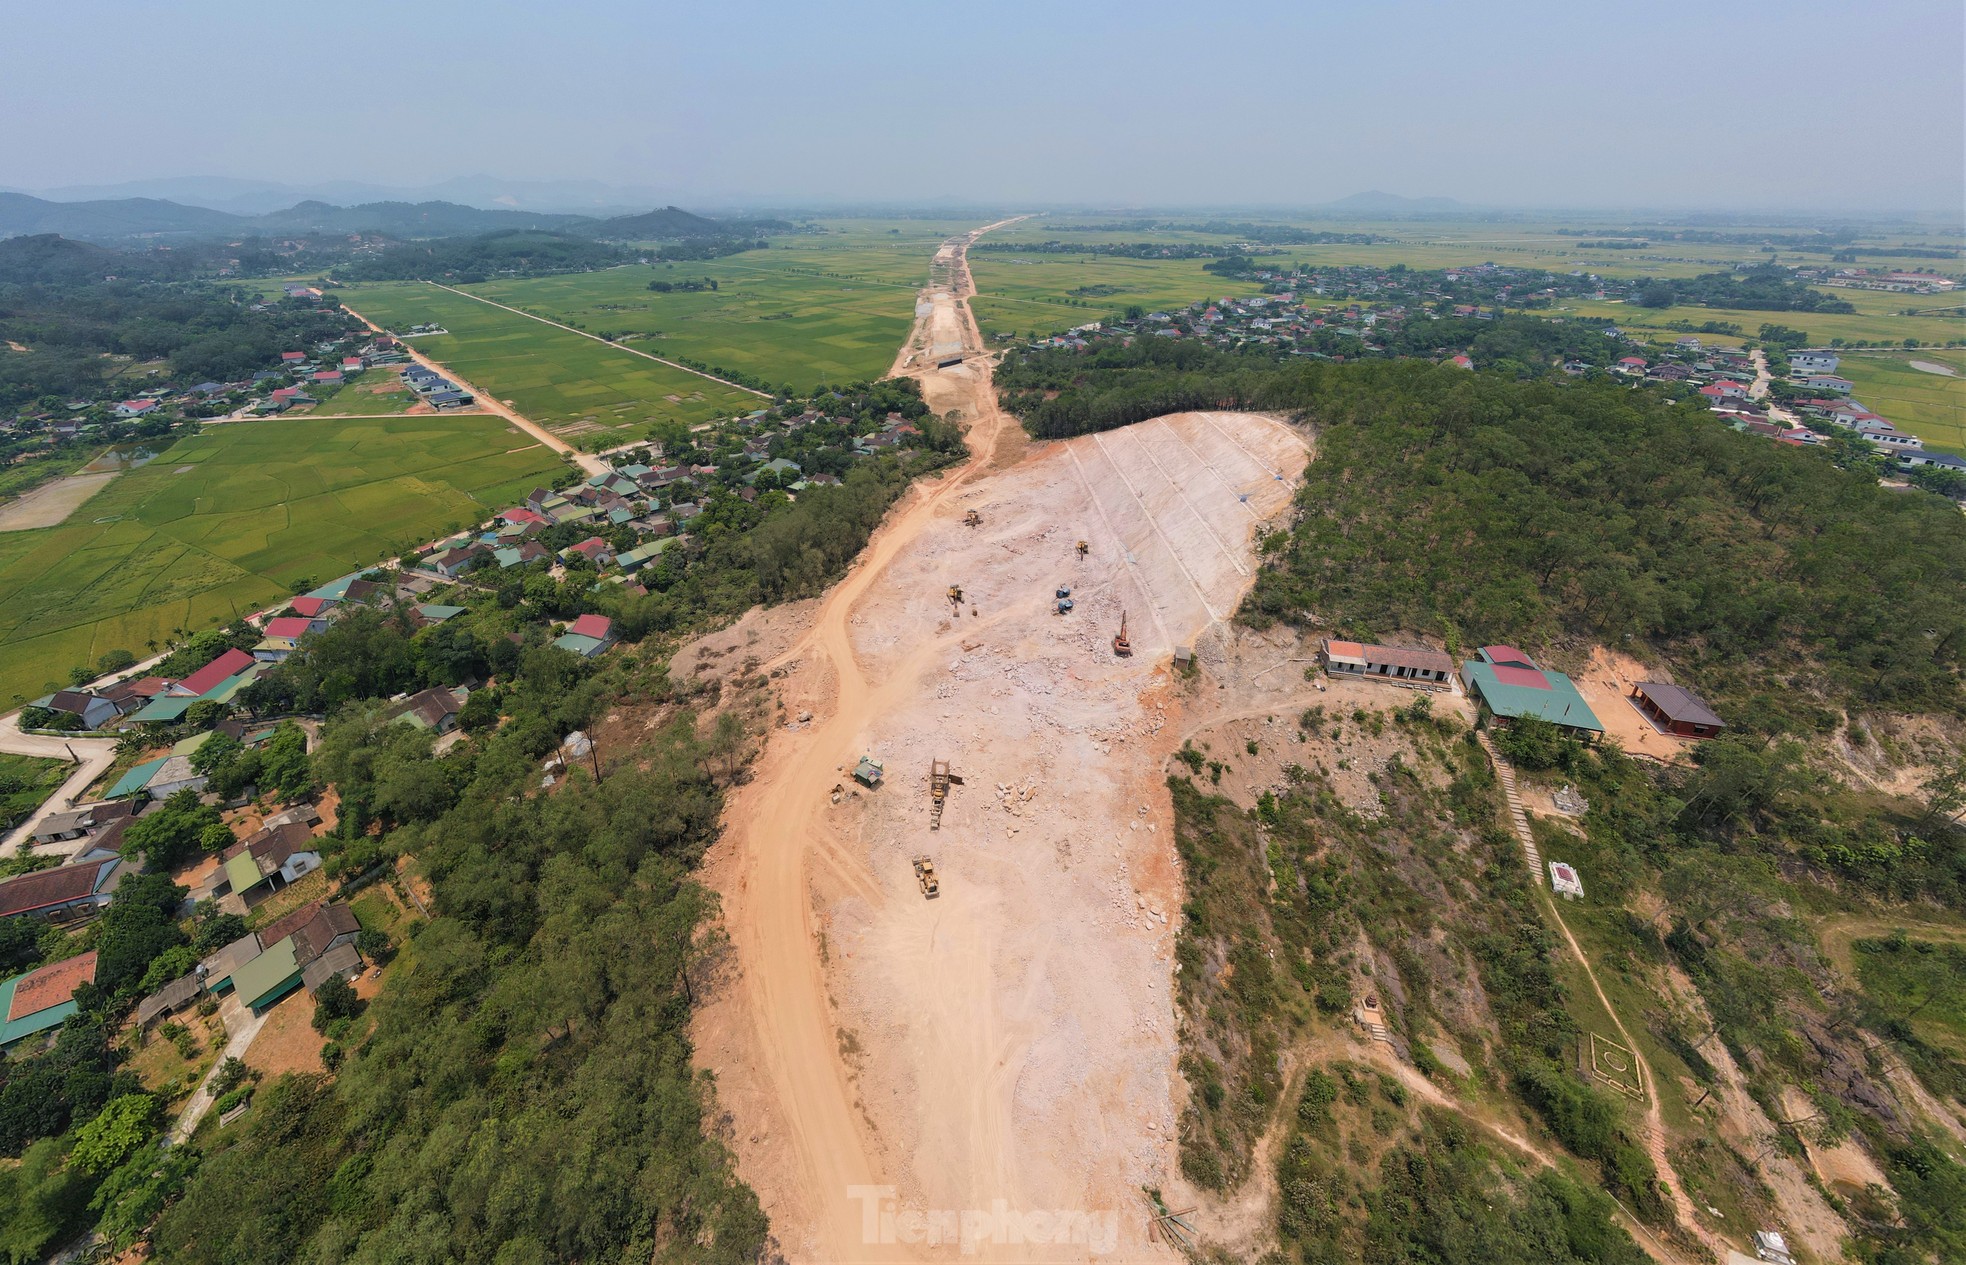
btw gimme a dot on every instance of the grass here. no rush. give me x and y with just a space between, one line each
259 506
370 393
1032 293
1861 326
25 781
581 388
1931 406
1920 979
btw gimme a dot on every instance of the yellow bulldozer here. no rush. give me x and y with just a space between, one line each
925 875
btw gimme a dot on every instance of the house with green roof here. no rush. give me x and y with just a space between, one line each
1507 685
643 554
268 977
138 779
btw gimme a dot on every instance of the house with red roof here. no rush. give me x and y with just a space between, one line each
1731 389
294 626
595 550
61 892
311 607
329 377
33 1003
213 674
135 408
1631 364
525 518
292 357
1461 362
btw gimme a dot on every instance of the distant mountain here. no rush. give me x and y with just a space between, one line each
263 197
668 222
21 214
406 219
1376 202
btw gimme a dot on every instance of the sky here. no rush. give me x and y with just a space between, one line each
1724 104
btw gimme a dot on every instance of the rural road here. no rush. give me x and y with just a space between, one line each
735 386
776 828
490 403
96 754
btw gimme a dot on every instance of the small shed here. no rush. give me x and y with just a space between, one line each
869 772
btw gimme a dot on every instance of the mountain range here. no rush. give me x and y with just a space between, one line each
126 219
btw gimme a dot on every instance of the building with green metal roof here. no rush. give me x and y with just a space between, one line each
162 710
137 780
1507 684
268 977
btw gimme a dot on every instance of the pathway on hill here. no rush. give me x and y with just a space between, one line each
489 403
737 386
1653 1134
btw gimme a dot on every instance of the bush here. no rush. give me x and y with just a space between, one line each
334 1000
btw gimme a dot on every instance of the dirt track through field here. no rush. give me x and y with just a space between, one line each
1011 1044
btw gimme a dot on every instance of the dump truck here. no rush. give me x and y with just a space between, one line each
925 875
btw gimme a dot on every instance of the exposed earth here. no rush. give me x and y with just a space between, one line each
894 1067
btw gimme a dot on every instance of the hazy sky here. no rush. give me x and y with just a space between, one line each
1723 103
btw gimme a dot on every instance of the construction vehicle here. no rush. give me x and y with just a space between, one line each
925 875
1121 646
972 519
940 779
955 595
1082 548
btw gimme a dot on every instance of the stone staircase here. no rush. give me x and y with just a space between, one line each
1517 816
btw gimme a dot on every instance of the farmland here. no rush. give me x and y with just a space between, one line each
592 393
1036 293
1930 405
228 521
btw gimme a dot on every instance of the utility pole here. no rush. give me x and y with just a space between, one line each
594 754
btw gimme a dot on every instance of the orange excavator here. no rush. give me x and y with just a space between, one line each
1121 646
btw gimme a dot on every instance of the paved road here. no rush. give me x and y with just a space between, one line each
95 754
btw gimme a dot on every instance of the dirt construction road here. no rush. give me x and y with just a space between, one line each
995 1066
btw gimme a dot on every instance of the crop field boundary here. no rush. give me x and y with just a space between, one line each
766 395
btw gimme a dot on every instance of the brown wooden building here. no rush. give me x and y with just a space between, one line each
1676 710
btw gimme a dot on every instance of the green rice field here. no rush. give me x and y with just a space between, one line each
1930 405
1042 294
226 522
595 394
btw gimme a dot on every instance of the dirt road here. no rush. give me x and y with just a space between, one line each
875 1050
588 463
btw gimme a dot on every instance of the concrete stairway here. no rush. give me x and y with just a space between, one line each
1517 817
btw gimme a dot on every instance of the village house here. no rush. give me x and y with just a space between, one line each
1675 709
63 893
93 710
80 822
1828 382
587 636
434 709
1508 685
275 856
1387 663
33 1004
134 408
1808 362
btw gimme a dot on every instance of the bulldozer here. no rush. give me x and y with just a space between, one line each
925 875
940 779
972 519
1121 646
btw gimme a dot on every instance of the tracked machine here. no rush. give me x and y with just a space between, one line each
1121 646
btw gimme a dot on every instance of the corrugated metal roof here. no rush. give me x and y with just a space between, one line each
1559 702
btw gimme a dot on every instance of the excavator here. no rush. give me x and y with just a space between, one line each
1121 646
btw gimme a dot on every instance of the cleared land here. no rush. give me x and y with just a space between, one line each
582 389
1930 405
52 503
224 523
371 393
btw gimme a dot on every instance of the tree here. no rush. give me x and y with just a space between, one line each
123 1125
173 833
41 1202
1945 791
1657 294
333 1000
